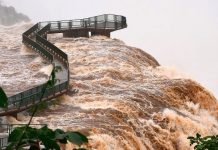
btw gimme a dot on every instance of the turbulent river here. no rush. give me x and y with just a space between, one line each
124 101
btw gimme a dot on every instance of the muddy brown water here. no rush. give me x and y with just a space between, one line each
125 99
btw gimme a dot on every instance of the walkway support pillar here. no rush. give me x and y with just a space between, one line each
101 32
76 33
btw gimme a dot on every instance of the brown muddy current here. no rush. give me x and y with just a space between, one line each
124 99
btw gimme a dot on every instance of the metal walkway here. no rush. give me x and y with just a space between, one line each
36 39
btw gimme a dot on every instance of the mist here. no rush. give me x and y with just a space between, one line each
181 34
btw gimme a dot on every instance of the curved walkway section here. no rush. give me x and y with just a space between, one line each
36 39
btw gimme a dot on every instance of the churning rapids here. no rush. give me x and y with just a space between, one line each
124 100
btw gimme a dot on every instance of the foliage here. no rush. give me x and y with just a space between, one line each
204 143
33 138
3 99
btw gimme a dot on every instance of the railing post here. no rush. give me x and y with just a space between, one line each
123 20
9 128
70 24
59 25
89 22
95 22
115 19
39 25
105 23
85 23
21 100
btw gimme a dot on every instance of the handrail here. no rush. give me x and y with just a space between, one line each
33 95
32 30
37 47
109 21
59 54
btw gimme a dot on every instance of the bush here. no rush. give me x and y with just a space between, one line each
204 143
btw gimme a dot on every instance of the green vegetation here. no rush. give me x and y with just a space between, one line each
204 143
35 139
4 99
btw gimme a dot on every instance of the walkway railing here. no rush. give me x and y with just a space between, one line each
55 51
106 21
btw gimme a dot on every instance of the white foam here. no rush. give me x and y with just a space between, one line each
47 70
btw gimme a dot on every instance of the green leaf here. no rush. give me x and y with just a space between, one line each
204 143
198 135
47 136
16 134
52 81
77 138
59 131
63 141
59 134
50 144
3 99
10 146
58 69
31 135
45 131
